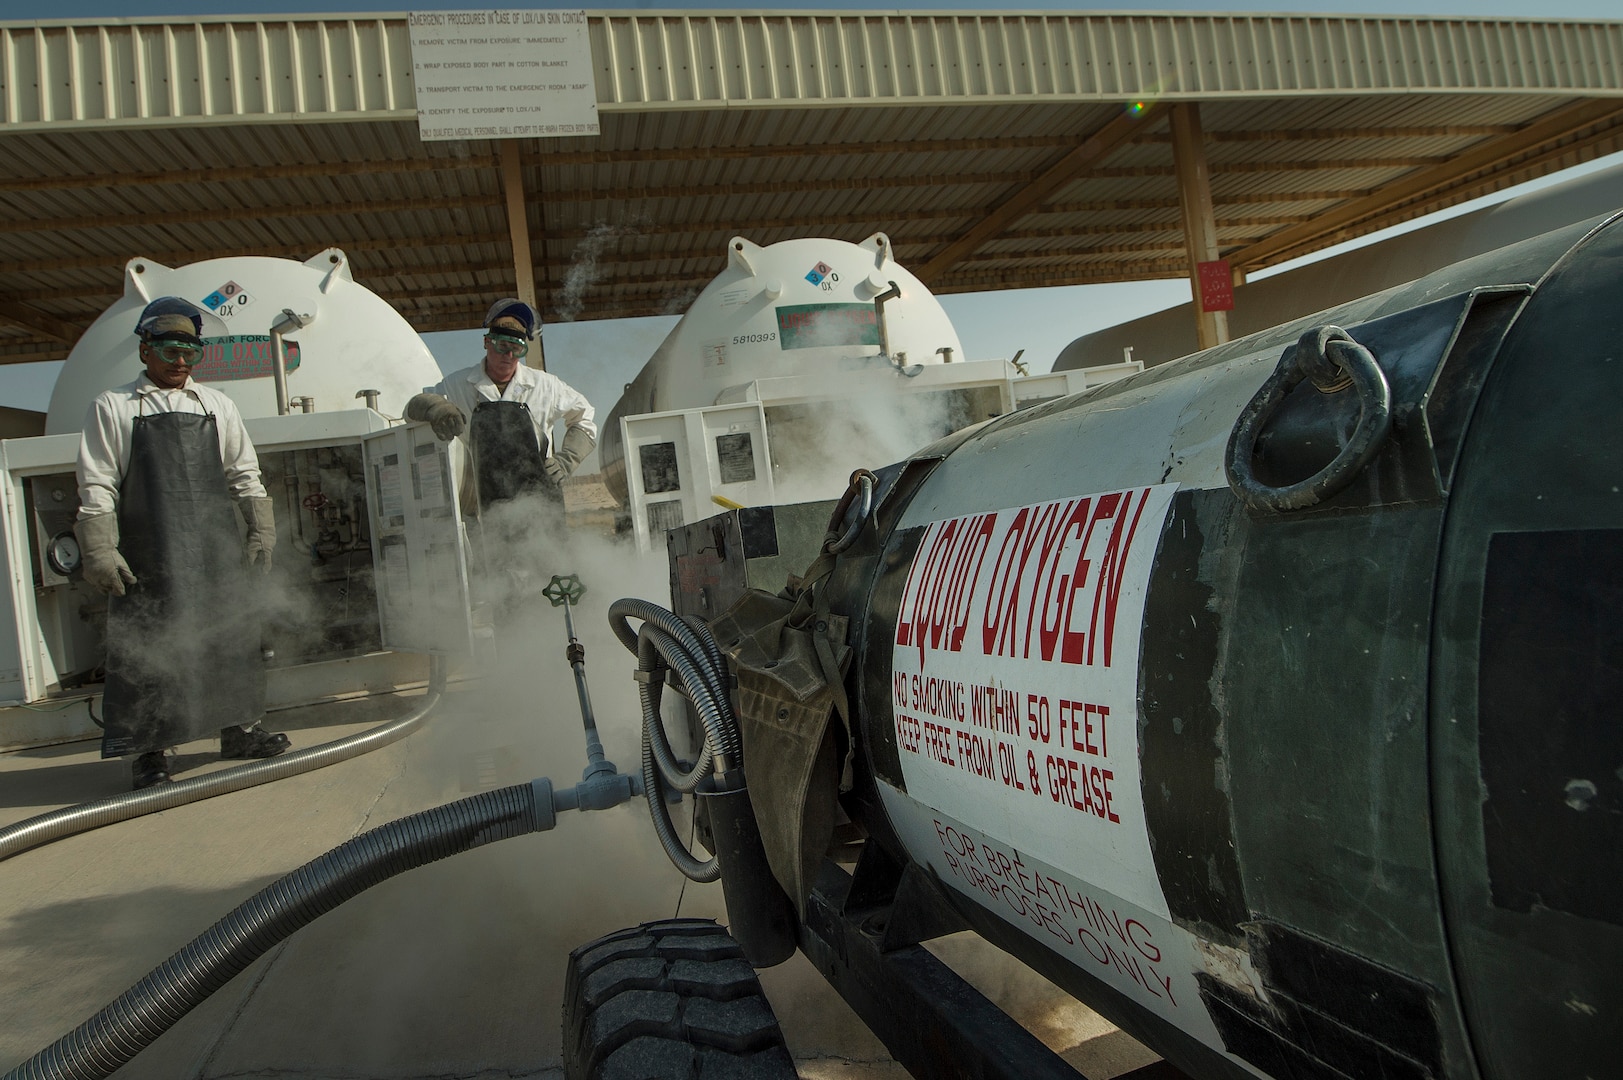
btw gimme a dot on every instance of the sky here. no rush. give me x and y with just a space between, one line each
599 357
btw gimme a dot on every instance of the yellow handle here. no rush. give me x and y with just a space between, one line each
726 503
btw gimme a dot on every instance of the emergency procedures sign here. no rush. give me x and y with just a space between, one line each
502 74
1015 679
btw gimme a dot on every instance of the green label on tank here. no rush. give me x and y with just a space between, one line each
241 356
810 326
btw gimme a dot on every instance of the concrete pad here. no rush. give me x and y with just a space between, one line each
454 969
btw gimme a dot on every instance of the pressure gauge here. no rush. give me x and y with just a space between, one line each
63 553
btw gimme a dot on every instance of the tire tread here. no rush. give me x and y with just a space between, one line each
669 1000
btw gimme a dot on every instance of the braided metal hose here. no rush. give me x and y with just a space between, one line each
653 645
666 641
44 828
688 648
155 1004
692 632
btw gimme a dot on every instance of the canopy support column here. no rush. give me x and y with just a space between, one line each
1199 224
518 229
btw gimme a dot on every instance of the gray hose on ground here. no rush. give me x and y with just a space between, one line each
155 1004
664 642
44 828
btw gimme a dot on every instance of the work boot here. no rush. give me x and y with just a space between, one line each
256 742
149 769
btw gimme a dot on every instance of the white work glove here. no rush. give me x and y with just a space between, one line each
578 442
261 541
104 568
439 413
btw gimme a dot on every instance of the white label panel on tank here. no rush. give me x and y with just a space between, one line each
1015 680
1145 957
502 74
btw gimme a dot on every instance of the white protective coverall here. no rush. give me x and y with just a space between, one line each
104 455
549 398
546 399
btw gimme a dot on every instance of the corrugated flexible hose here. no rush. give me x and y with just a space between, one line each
155 1004
44 828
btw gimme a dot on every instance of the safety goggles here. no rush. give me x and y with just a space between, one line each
178 352
507 346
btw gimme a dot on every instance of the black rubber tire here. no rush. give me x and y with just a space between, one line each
671 1000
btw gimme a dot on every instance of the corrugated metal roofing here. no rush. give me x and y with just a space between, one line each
184 140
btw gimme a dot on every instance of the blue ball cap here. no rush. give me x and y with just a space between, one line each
170 318
515 314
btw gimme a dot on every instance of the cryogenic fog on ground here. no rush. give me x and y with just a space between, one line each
453 969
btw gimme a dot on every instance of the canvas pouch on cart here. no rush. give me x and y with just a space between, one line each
784 704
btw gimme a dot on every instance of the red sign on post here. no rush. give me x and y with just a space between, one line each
1216 285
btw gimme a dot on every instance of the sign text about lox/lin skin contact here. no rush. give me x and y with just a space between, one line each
503 74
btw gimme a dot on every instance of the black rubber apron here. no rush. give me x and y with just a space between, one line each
508 454
183 646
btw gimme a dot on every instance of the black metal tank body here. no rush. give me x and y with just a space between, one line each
1356 807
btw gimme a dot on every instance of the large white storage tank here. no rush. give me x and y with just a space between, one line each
798 364
354 340
788 326
798 307
369 570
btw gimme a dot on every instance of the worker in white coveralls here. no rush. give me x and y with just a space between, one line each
162 461
506 414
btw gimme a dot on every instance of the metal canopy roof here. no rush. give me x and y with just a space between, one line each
996 150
